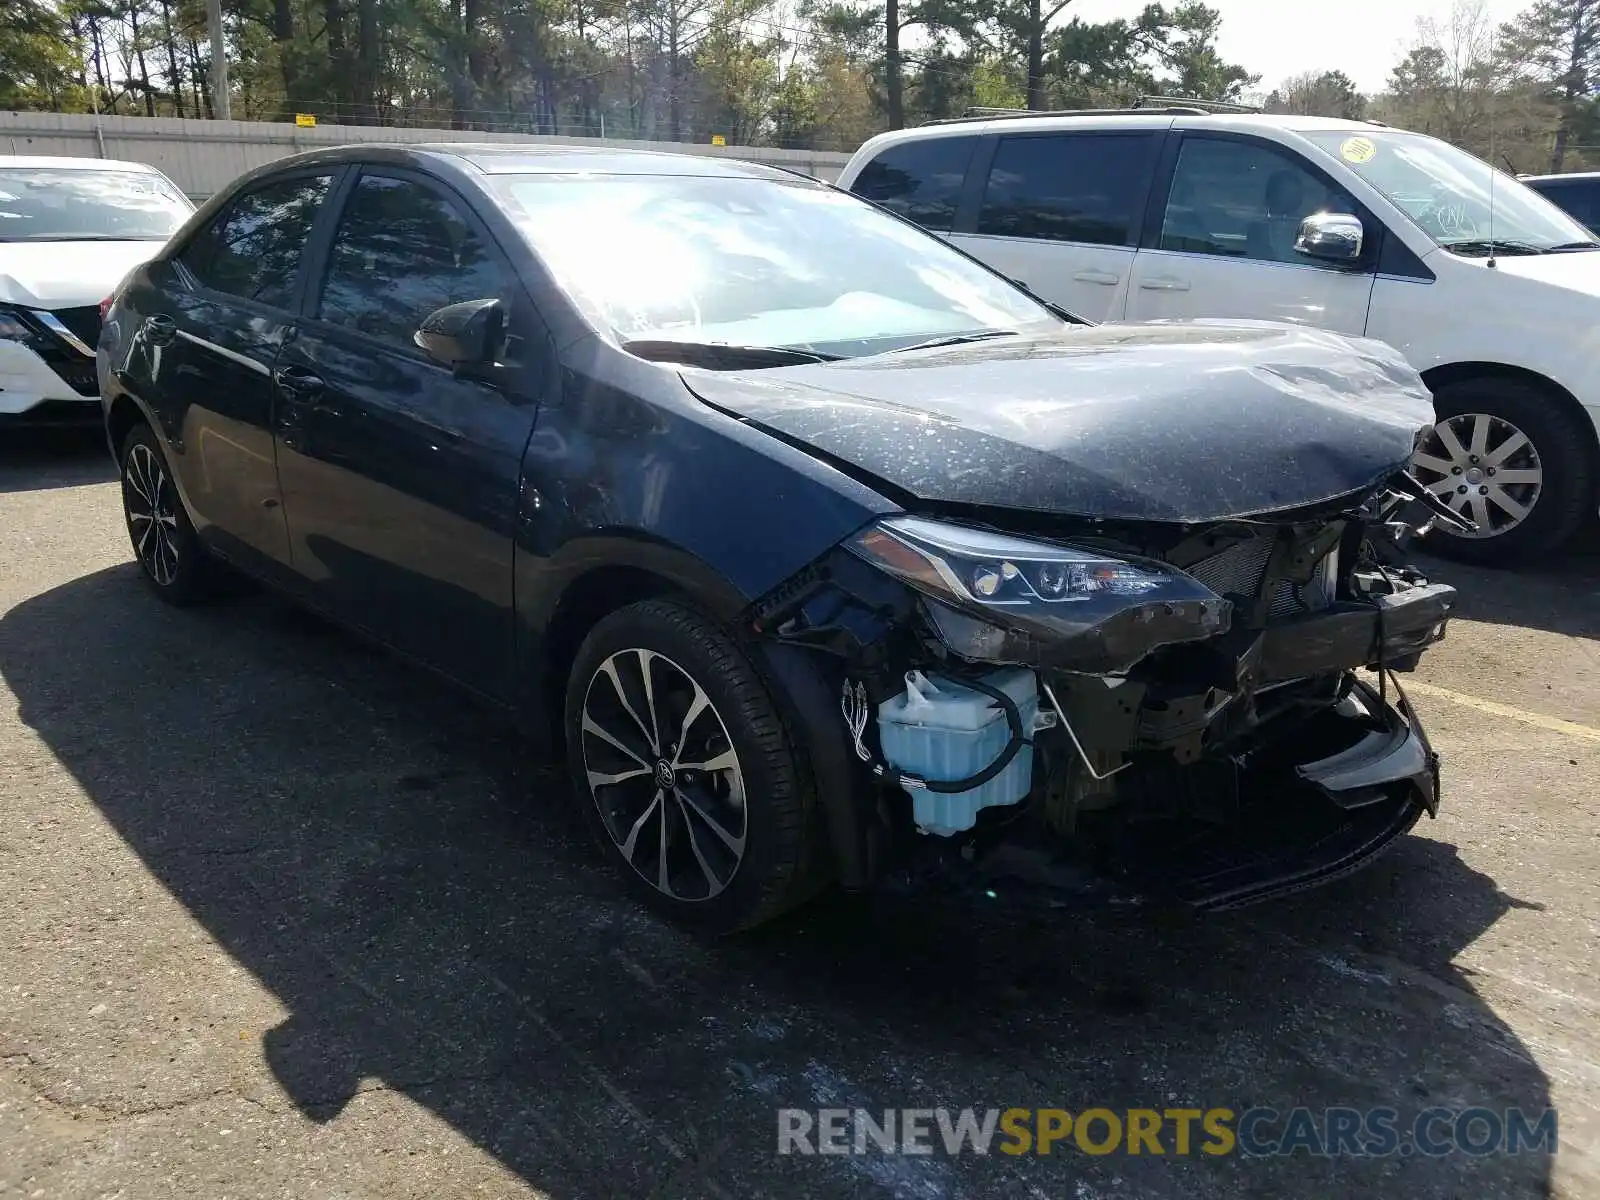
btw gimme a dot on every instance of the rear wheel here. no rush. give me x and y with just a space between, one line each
687 776
1510 458
164 542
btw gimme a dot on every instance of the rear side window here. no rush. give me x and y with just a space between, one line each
920 180
253 248
1067 187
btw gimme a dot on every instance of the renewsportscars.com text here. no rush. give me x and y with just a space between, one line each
1253 1132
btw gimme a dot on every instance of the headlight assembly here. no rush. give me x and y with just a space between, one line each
999 598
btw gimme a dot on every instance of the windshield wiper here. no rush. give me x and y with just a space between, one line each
1491 246
1569 246
722 355
957 339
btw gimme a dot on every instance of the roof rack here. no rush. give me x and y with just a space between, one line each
1210 106
1144 105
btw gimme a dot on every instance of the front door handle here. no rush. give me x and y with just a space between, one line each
1164 283
160 329
298 381
1108 278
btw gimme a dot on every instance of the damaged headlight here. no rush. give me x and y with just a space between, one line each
999 598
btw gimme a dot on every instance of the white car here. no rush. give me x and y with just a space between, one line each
1489 290
70 229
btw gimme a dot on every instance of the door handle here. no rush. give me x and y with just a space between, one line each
1107 278
298 382
1164 283
160 329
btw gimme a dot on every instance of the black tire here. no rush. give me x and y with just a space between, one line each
776 865
1564 445
170 556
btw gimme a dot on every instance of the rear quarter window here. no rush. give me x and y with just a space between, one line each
920 180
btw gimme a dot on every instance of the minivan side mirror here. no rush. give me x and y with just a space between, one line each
463 336
1331 237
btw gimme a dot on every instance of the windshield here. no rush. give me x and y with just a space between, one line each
755 262
1446 192
54 204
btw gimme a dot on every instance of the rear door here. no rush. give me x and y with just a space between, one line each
399 477
1060 213
1221 241
212 326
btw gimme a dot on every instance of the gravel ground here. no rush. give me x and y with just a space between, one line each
284 919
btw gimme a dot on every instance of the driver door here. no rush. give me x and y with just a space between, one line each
399 479
1224 246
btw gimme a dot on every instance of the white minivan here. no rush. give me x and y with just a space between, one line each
1489 290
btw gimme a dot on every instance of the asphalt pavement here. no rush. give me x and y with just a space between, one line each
280 917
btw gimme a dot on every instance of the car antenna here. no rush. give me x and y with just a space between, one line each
1493 170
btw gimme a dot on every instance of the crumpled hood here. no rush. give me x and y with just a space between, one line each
67 274
1197 421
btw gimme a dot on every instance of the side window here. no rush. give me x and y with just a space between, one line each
1068 187
1582 200
921 180
402 250
253 248
1243 200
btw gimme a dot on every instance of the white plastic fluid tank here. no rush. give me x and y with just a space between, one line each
940 729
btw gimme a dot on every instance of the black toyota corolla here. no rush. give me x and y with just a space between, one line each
825 555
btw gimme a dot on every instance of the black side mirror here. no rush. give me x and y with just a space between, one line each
464 336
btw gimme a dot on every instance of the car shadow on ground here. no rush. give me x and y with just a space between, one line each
36 459
425 908
1560 594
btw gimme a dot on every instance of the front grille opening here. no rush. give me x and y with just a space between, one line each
1239 568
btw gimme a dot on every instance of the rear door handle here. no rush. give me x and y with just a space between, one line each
160 329
1164 283
1108 278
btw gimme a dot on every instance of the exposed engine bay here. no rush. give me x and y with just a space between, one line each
1082 709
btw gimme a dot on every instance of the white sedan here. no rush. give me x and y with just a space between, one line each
70 229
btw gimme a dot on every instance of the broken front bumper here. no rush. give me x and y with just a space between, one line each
1300 824
1353 804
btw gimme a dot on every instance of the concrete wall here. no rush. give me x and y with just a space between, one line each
202 157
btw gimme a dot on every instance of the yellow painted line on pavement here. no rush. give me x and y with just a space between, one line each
1572 729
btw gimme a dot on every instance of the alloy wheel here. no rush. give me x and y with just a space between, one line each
664 775
1484 468
151 506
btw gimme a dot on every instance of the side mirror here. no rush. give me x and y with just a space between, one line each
1331 237
463 336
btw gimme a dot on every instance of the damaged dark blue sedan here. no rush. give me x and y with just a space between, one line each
824 554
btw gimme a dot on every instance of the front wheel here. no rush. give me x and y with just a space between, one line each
1512 460
685 771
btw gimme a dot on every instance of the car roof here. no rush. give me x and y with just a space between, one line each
1132 118
26 161
528 158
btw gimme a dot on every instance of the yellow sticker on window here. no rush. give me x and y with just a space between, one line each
1358 150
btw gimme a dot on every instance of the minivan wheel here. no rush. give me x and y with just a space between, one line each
686 775
164 542
1510 458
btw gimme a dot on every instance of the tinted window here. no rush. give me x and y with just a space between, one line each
1068 187
402 250
253 248
920 180
1243 199
1581 200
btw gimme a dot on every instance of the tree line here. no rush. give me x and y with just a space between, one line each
821 74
